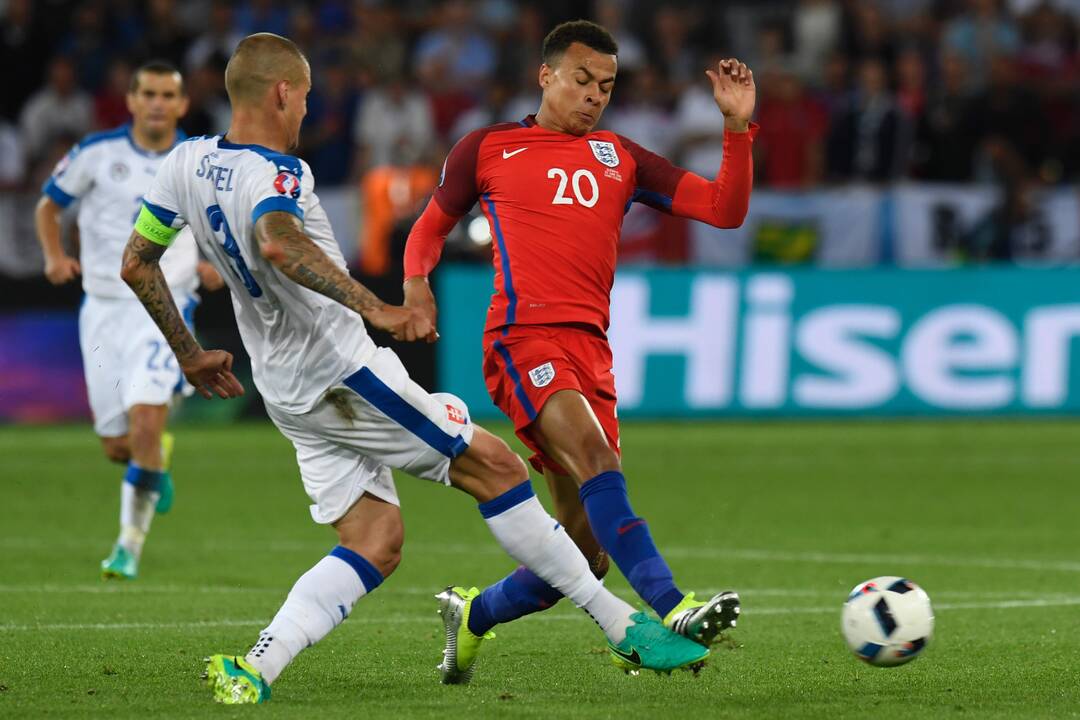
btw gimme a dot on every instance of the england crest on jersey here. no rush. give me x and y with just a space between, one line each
604 152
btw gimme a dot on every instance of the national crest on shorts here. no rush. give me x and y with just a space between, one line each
542 375
287 184
604 152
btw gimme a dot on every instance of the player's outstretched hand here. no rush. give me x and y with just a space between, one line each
734 91
62 269
210 371
403 323
418 295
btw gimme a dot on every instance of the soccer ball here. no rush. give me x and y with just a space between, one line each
887 621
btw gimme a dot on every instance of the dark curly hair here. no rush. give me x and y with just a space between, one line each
582 31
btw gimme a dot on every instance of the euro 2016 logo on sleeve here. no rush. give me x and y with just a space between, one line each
604 152
287 184
542 375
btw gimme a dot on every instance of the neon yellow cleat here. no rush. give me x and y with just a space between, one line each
165 499
234 681
703 621
462 646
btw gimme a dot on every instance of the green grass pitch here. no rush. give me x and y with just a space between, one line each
983 515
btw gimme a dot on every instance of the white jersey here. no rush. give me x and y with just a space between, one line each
109 174
301 343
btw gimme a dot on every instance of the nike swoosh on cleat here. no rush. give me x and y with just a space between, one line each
507 155
632 657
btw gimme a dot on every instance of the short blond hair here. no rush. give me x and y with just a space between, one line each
260 61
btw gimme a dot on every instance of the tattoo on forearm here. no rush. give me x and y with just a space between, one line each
142 273
305 263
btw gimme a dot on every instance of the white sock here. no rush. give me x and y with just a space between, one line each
317 603
136 512
533 538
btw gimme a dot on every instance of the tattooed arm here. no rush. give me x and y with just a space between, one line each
210 372
283 242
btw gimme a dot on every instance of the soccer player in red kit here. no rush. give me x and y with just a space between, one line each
554 191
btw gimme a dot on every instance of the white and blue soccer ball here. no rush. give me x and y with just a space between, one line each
887 621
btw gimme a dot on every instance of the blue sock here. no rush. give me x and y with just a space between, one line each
628 541
518 594
144 479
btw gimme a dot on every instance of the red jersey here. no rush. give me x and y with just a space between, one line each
555 204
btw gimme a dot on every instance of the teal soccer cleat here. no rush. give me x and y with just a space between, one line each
120 565
651 646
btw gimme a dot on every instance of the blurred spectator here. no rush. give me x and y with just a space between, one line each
455 55
790 145
1008 111
208 105
219 38
911 84
24 51
816 30
110 102
86 44
491 110
671 49
945 134
520 56
377 50
12 160
163 35
867 35
255 16
59 108
979 35
640 111
699 127
326 140
609 13
864 139
394 126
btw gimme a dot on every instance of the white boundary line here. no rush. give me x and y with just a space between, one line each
547 617
675 551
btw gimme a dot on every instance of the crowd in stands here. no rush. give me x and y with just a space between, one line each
849 90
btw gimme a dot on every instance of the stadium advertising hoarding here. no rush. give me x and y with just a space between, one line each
815 342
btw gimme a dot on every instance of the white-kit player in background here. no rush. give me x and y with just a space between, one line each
348 406
131 374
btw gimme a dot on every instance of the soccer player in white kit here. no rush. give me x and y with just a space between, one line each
131 374
348 406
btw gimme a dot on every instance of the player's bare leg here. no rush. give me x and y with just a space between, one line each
370 537
570 512
146 483
117 449
570 434
498 479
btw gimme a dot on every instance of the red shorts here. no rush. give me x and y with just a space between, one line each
527 365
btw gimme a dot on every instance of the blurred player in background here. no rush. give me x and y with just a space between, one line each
348 406
131 375
554 191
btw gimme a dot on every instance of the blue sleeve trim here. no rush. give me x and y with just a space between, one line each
368 386
650 197
509 499
57 195
276 204
369 574
164 215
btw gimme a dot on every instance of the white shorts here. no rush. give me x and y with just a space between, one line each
374 420
126 360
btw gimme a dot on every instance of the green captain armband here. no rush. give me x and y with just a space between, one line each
153 228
